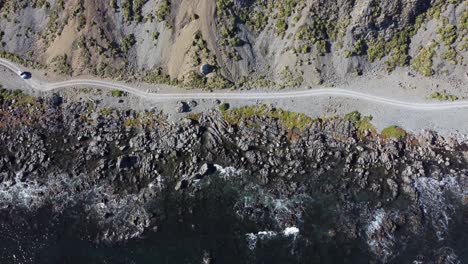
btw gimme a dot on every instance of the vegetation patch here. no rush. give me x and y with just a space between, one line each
361 123
127 43
447 33
106 111
463 23
61 65
224 107
132 10
164 10
117 93
227 23
393 132
157 76
17 97
359 49
313 33
217 81
257 20
284 10
288 119
450 54
193 116
143 120
289 79
443 96
423 61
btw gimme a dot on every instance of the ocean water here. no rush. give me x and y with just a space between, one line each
209 224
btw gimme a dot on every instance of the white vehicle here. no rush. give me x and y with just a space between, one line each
24 75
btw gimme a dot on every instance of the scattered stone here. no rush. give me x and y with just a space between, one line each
183 107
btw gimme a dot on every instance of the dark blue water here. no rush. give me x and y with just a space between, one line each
189 228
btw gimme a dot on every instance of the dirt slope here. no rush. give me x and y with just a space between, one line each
249 43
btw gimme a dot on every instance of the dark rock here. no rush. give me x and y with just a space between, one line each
127 162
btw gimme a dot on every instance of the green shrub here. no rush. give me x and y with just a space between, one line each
257 21
423 61
117 93
127 10
131 9
127 43
158 77
290 120
313 33
353 117
19 98
281 26
443 96
224 107
106 111
376 51
359 48
217 82
361 123
289 79
163 10
450 54
463 23
393 132
61 64
447 33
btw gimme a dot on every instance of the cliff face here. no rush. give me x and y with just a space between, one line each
259 43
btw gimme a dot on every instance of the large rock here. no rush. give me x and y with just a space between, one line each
127 162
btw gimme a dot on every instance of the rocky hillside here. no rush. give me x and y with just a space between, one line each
246 42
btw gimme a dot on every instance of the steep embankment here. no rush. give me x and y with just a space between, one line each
251 43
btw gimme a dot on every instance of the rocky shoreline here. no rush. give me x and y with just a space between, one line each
323 185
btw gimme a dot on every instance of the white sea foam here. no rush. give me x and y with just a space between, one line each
376 223
433 201
227 172
123 215
252 238
380 242
291 231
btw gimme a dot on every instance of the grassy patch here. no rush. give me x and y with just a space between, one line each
396 49
127 43
163 10
289 79
143 120
106 111
157 76
359 49
117 93
447 33
450 54
313 33
17 97
288 119
361 123
224 107
217 81
393 132
376 50
423 61
443 96
193 116
61 65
